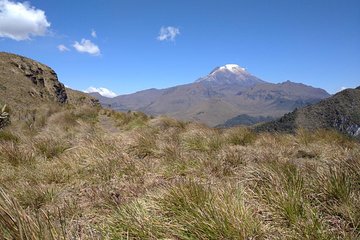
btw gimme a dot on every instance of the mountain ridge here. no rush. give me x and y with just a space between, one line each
340 112
224 93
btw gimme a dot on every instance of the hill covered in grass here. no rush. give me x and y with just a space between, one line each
32 92
340 112
245 120
92 173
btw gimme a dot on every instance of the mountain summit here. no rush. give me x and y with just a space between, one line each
231 74
225 93
234 68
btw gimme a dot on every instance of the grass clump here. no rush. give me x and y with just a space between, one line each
87 114
145 144
15 223
130 120
188 211
203 140
15 154
240 136
7 136
281 185
50 146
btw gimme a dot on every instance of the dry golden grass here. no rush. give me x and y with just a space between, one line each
98 174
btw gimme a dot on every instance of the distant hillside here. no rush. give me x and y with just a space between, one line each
79 98
245 120
225 93
340 112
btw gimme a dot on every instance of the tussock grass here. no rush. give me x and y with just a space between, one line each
129 120
164 123
128 176
50 146
15 223
87 114
188 210
240 136
16 155
145 143
7 136
281 185
203 140
65 119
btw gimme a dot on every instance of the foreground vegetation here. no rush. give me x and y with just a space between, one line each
98 174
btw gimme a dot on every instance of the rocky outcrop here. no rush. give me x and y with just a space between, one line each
346 124
27 85
44 79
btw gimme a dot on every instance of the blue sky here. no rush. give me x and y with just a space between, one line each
316 42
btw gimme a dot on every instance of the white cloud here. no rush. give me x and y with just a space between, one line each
102 91
168 33
343 88
93 33
63 48
86 46
20 21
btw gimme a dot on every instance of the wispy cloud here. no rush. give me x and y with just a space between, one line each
63 48
93 33
86 46
102 91
343 88
20 21
168 33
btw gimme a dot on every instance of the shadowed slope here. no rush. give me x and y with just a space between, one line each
340 112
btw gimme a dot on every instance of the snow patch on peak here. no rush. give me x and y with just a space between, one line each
232 68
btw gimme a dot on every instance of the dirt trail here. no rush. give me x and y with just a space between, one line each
108 125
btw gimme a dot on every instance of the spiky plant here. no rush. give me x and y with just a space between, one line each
4 117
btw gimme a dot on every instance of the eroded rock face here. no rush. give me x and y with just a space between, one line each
345 125
357 133
44 79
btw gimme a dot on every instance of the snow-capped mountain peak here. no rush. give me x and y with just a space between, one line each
230 74
232 68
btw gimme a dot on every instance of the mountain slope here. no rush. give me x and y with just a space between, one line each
244 120
27 86
24 81
340 112
226 92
